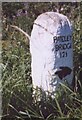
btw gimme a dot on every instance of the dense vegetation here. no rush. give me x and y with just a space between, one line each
18 102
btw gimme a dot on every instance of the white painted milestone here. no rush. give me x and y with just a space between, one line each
52 51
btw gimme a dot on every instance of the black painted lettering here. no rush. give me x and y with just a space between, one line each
56 47
62 38
63 46
63 54
55 38
69 45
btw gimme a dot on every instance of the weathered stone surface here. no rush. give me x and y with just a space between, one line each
51 50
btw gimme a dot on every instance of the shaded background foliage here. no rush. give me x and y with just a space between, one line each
16 75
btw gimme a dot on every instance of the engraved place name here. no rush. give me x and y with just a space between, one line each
62 44
62 38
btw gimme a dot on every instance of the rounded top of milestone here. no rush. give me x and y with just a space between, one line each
54 16
54 22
